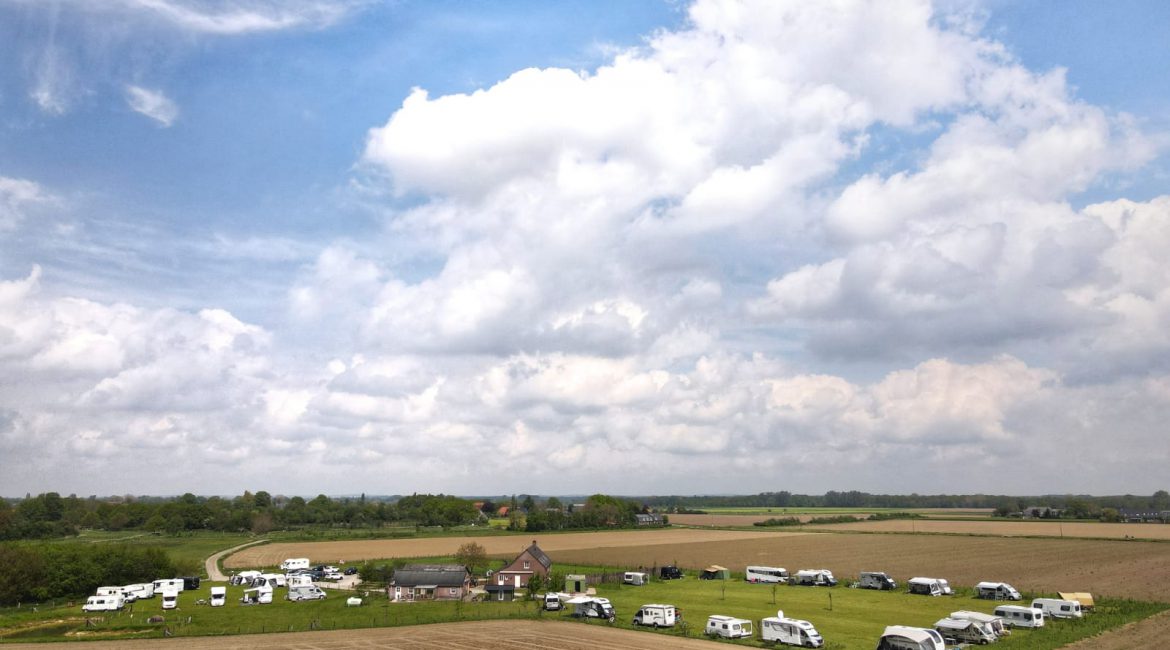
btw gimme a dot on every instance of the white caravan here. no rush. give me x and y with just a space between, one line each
311 592
993 623
929 586
876 580
115 591
218 596
1019 616
814 578
275 579
958 630
299 580
173 584
244 578
901 637
773 574
261 595
997 591
728 627
790 631
635 578
1058 608
656 616
106 603
140 591
170 598
294 563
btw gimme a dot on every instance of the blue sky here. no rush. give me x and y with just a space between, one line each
783 244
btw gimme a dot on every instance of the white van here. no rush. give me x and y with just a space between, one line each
959 630
635 578
773 574
311 592
876 580
814 578
790 631
1019 616
997 591
552 602
993 623
901 637
218 596
174 584
1057 608
140 591
656 616
294 563
106 603
170 598
929 586
728 627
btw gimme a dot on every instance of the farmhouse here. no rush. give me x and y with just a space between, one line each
1043 512
649 520
429 582
1141 516
531 561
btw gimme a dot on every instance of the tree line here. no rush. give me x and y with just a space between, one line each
40 572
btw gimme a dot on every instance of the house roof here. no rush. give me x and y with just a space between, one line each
437 575
539 555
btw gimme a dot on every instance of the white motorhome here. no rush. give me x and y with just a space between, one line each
876 580
957 630
275 579
311 592
773 574
901 637
997 591
116 591
218 596
790 631
244 578
140 591
261 595
104 603
813 578
1020 616
635 578
591 607
170 598
993 623
656 616
1058 608
294 563
929 586
299 580
728 627
163 584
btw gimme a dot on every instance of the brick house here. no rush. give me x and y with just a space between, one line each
515 575
429 582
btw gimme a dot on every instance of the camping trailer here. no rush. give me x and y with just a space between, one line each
957 630
997 591
591 607
116 591
261 595
1019 616
766 574
275 579
1058 608
656 616
170 598
994 623
813 578
244 578
876 580
140 590
929 586
174 584
635 578
790 631
105 603
1083 597
218 596
901 637
294 563
299 580
728 627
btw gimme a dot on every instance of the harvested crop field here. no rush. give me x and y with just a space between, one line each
1149 633
510 545
489 635
1123 569
1011 528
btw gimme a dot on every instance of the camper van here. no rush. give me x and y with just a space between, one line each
994 623
590 607
106 603
140 591
669 572
728 627
552 602
766 574
310 592
929 586
957 631
115 591
218 596
635 578
170 598
656 616
876 580
996 591
790 631
1057 608
173 584
901 637
813 578
294 563
1019 616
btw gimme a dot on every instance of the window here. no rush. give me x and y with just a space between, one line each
453 591
527 564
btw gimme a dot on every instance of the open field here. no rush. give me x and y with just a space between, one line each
999 527
808 513
510 545
1147 633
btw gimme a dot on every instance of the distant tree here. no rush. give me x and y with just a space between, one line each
263 499
529 503
1110 515
554 504
1160 500
471 555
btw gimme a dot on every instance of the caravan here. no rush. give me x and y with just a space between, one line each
170 598
901 637
790 631
261 595
218 596
956 630
766 574
728 627
997 591
590 607
116 591
106 603
163 584
1058 608
876 580
244 578
813 578
656 616
139 591
929 586
994 623
635 578
1019 616
294 563
310 592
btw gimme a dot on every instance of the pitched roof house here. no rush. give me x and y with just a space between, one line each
515 575
429 582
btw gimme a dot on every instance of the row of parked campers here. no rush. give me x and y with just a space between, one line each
111 599
775 629
779 575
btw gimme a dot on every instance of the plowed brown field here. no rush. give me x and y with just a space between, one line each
1153 632
274 554
1004 528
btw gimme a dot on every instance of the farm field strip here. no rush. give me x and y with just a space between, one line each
1011 528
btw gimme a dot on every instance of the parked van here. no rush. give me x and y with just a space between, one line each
669 572
591 607
728 627
635 578
552 602
311 592
929 586
771 574
957 631
901 637
876 580
294 563
163 584
191 582
218 596
997 591
656 616
790 631
106 603
1057 608
1019 616
170 598
993 623
140 591
813 578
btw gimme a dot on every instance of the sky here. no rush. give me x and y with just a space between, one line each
650 247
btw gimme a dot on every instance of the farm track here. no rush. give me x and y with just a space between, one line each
211 564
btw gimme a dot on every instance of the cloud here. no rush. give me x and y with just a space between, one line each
230 18
18 197
153 104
